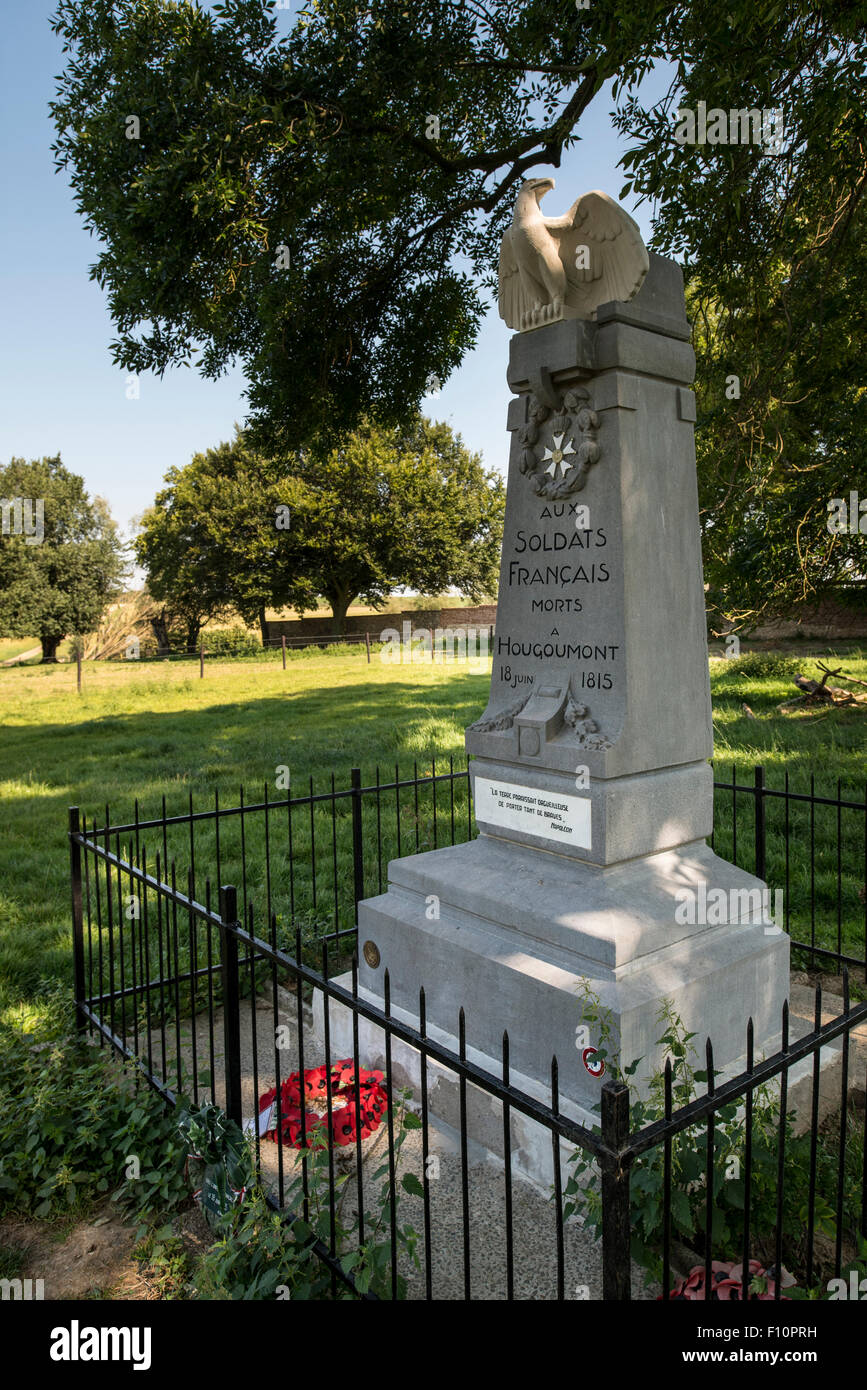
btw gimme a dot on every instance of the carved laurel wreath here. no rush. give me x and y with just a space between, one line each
573 428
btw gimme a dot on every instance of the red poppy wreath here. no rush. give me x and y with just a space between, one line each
346 1117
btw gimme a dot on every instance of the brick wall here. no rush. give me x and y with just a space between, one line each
828 620
376 623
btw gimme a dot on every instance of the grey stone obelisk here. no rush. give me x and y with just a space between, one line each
592 788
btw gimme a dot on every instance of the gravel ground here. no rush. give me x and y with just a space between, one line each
534 1244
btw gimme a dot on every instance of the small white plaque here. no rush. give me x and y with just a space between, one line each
553 815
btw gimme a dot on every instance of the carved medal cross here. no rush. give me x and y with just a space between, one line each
558 455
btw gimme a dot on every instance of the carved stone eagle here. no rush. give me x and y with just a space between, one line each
564 267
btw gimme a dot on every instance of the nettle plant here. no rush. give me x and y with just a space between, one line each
77 1126
689 1214
261 1255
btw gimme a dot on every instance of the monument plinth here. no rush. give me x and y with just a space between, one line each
592 788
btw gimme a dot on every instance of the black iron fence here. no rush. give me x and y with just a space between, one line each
225 994
811 847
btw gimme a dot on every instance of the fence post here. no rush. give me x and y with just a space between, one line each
77 921
283 645
760 821
357 843
367 640
201 661
616 1254
231 1001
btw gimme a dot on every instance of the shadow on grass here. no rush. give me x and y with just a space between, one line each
117 760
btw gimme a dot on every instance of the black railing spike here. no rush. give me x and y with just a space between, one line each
325 958
750 1042
710 1070
386 992
846 1005
422 1010
785 1037
298 945
817 1010
555 1084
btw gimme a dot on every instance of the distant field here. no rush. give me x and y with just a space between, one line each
14 646
148 730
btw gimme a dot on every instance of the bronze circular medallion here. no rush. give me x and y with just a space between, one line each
371 954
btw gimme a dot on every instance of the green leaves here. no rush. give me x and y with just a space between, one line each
775 248
317 137
60 584
258 1252
410 1183
688 1191
67 1128
388 508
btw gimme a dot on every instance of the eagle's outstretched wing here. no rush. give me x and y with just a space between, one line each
617 260
512 300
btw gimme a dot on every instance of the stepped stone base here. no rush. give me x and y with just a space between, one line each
531 1150
513 935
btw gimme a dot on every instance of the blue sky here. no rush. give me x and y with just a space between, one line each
59 390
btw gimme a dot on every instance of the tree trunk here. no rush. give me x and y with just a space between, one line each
263 625
340 601
193 630
49 647
161 631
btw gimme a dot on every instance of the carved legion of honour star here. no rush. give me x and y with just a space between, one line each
558 456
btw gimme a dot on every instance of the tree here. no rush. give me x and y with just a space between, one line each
392 508
58 583
775 251
386 509
326 205
218 535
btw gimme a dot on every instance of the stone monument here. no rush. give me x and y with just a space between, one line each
591 783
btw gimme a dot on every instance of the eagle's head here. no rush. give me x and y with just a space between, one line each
538 187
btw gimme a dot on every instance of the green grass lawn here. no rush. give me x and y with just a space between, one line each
148 730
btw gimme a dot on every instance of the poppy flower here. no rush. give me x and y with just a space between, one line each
347 1118
727 1284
